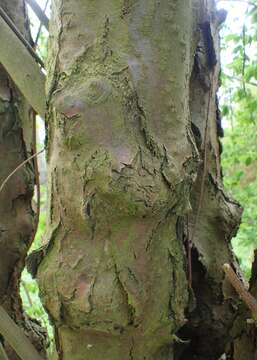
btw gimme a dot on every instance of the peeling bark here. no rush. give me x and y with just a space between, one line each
132 115
16 214
214 312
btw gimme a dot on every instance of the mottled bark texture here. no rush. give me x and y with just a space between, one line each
131 109
215 216
17 219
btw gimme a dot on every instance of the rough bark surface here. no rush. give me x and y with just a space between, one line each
132 115
215 217
17 219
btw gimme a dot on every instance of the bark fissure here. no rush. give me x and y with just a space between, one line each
212 315
133 125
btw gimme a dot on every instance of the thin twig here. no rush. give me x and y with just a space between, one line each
27 293
18 168
199 207
240 80
231 110
248 299
189 254
35 160
204 160
244 58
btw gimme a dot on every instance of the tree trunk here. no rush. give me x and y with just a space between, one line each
17 219
139 225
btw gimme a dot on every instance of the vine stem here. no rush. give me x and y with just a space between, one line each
191 240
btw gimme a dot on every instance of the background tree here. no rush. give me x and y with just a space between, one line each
238 105
239 156
17 219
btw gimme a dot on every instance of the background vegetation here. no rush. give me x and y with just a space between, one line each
238 98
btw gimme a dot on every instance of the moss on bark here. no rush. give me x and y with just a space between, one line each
125 99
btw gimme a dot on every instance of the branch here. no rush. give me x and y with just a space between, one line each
16 338
39 12
36 168
27 293
248 299
22 68
244 58
240 80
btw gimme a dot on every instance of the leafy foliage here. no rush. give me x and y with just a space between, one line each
29 288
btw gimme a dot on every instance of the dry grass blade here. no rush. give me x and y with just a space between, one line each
18 168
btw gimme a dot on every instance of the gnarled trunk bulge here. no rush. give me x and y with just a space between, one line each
17 219
139 225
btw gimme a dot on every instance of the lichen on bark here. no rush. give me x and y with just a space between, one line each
124 104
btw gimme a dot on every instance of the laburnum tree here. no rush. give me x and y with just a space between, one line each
139 225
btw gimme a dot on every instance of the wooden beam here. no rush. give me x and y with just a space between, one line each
22 68
25 42
16 338
3 355
39 12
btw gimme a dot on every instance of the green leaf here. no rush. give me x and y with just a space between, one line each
225 110
248 161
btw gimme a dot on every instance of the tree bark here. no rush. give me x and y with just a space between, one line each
135 178
215 217
17 219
